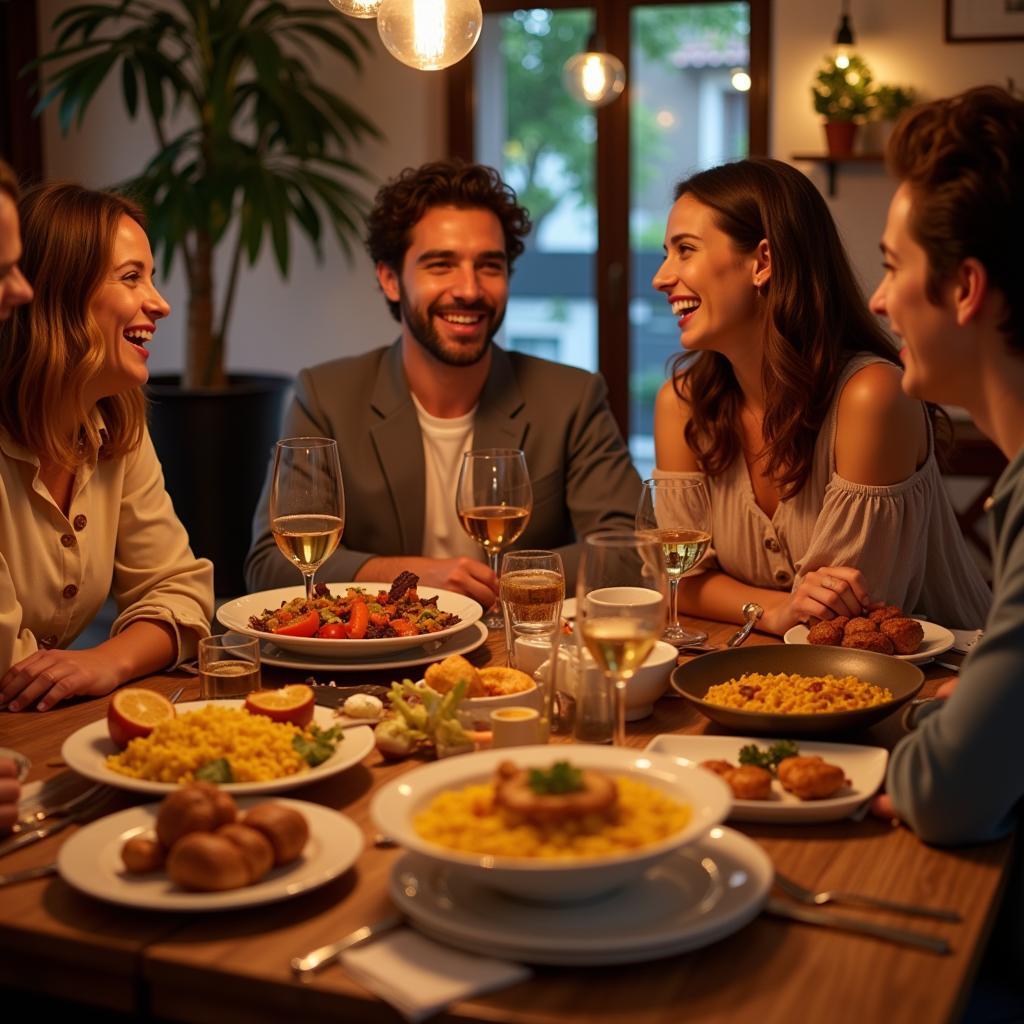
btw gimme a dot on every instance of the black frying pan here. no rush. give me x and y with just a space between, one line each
694 679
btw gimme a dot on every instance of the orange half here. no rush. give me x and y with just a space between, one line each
135 712
292 703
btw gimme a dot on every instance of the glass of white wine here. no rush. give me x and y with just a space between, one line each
677 514
307 503
493 501
620 607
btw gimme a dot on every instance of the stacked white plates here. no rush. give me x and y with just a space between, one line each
694 897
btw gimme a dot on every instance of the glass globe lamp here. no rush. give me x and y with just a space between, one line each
429 34
357 8
594 78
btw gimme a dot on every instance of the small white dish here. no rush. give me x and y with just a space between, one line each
86 752
236 614
466 640
864 767
90 861
397 802
692 898
937 640
475 712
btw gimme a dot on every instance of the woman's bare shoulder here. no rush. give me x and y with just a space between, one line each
671 415
881 433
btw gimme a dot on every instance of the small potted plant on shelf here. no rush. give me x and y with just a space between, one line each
890 102
844 97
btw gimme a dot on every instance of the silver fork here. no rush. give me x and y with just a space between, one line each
817 899
83 812
35 818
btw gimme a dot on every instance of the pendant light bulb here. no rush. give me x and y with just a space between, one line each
594 77
429 34
844 40
357 8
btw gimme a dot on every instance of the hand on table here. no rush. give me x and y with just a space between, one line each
50 676
822 594
10 790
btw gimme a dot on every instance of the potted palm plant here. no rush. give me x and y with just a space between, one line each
843 96
249 142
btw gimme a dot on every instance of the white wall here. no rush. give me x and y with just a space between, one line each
323 310
335 308
902 41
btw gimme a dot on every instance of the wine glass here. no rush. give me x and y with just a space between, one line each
620 607
307 503
493 501
677 514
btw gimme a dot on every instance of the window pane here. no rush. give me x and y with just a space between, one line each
542 142
687 114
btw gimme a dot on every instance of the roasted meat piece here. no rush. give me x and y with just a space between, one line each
906 634
878 615
400 584
811 778
869 641
825 633
859 625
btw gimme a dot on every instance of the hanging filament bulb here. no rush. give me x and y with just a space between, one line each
429 34
357 8
844 38
594 77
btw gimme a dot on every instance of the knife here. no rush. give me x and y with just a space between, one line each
826 919
305 966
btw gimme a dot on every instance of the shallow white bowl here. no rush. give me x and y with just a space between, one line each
475 712
395 805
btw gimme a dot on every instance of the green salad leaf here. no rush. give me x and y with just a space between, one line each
217 771
319 748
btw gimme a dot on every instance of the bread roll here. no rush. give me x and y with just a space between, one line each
142 855
285 828
204 862
254 845
197 807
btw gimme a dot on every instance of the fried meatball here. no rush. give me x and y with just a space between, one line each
749 782
840 622
810 778
859 625
906 634
718 767
869 641
887 611
826 634
442 676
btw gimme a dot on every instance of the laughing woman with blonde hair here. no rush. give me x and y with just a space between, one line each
83 509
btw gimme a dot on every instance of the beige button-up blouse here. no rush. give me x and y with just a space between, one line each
119 538
904 538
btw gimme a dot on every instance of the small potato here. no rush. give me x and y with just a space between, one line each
142 855
284 827
254 846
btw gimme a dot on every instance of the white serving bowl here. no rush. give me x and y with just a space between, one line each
475 712
649 682
395 805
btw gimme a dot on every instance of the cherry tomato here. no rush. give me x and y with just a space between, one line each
333 631
304 625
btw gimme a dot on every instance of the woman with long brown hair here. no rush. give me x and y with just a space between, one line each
83 510
826 495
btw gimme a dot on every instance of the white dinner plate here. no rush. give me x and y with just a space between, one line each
235 615
91 862
694 897
937 640
463 642
864 767
86 752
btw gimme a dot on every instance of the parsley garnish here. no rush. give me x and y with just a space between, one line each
216 771
318 749
769 758
561 777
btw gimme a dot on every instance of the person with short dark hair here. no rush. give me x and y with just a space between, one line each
14 289
83 510
443 238
951 291
825 492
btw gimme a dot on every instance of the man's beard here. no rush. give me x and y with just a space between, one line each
421 327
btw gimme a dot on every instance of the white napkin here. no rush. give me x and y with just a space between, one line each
965 639
419 977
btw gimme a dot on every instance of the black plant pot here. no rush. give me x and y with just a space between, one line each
215 447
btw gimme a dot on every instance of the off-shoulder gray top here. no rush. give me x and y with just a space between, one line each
903 537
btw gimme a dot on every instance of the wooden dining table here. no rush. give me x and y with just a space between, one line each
233 966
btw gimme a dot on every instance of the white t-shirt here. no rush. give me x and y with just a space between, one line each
444 442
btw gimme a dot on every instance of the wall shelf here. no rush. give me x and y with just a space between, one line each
832 162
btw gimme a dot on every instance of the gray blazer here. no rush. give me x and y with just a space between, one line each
579 465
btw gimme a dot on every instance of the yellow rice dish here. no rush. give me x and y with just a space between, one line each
790 694
257 748
469 820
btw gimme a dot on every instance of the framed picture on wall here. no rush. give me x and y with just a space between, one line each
984 21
